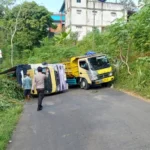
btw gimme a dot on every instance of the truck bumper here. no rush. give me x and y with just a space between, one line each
104 80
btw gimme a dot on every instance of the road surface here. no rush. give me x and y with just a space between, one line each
100 119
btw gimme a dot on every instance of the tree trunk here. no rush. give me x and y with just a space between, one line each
126 59
13 35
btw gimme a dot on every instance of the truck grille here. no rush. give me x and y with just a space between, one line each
101 76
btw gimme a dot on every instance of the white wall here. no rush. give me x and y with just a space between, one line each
81 19
81 31
78 17
107 6
112 6
67 20
102 18
67 4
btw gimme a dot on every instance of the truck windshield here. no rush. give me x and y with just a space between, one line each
99 62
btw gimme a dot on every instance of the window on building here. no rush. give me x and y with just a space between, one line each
78 1
94 12
78 27
113 14
79 11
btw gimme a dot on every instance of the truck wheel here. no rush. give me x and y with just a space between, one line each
84 84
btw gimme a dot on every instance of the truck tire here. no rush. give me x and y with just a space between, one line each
84 84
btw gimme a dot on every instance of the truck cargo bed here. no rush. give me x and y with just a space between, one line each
71 69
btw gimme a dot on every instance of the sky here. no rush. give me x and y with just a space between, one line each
54 5
51 5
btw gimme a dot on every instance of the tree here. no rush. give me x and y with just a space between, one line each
74 37
4 8
13 32
25 26
32 24
61 37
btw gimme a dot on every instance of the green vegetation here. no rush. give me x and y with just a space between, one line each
10 110
11 89
21 29
9 118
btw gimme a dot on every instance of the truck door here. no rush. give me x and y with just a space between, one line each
84 70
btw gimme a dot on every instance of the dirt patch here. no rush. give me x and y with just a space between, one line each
135 95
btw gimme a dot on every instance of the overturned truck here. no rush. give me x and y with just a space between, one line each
56 81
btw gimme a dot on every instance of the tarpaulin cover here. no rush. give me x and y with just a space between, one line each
90 53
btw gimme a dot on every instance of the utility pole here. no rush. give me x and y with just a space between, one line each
93 19
61 21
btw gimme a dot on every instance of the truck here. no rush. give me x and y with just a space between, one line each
54 83
88 71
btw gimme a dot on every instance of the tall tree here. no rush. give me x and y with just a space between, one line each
25 26
5 5
13 32
32 24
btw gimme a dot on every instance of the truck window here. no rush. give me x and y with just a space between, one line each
84 65
99 62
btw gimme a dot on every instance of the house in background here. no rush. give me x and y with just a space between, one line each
81 16
59 21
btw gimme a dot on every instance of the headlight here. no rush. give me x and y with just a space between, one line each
110 74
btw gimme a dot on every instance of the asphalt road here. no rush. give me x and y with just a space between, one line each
102 119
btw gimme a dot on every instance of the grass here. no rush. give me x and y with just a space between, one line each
8 120
137 83
11 106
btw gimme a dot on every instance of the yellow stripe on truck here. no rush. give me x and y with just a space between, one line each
106 70
53 80
31 72
109 79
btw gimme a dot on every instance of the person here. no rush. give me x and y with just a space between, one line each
27 84
38 83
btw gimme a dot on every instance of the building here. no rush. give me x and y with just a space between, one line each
83 15
59 21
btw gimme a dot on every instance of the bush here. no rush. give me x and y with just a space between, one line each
5 103
11 89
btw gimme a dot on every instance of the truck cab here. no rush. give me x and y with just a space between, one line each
89 70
